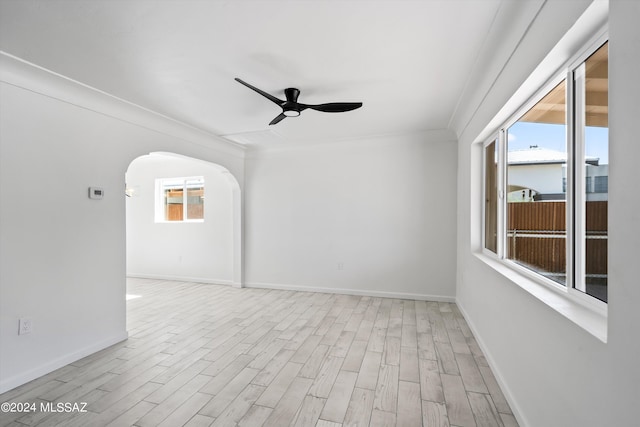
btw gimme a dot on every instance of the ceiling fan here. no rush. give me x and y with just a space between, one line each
292 108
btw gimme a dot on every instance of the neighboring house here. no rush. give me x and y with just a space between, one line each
539 174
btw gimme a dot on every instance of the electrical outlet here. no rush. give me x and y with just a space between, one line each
24 326
341 266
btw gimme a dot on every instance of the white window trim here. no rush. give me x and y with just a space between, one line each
159 199
586 311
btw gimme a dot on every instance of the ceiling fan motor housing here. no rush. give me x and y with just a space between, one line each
290 107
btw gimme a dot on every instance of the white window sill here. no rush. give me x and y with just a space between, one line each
188 221
589 319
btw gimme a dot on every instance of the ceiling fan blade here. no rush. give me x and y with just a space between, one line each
261 92
277 119
335 107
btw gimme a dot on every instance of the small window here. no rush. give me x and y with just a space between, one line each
601 184
180 199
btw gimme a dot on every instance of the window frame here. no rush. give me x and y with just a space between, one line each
159 211
575 185
494 138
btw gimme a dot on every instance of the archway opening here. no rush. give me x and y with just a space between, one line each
183 220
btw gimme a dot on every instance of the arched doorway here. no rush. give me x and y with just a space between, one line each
202 242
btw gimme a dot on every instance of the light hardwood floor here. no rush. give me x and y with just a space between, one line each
208 355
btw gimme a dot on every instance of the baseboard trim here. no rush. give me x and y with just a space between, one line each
32 374
343 291
515 408
185 279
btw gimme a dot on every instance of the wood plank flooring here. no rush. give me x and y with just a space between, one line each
208 355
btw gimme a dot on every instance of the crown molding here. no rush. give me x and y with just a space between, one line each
23 74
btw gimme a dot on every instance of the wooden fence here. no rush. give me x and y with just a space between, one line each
537 231
175 211
174 204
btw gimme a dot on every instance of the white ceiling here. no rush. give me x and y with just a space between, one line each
407 61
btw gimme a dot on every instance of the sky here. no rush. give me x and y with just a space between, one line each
551 136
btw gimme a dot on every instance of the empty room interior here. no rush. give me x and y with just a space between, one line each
319 213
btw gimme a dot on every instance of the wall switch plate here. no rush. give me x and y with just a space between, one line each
24 326
96 193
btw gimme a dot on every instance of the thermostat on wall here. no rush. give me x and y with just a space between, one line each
96 192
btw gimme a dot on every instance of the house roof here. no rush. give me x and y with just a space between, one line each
539 155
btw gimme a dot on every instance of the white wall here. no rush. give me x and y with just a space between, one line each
543 179
197 252
62 255
554 372
374 216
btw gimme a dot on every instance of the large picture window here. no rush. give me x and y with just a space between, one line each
180 199
548 214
